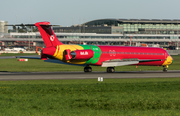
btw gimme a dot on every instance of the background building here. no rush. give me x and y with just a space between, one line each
3 28
125 26
124 32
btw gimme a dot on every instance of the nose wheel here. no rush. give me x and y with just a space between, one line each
87 69
165 68
110 69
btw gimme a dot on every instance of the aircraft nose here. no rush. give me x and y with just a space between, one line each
169 60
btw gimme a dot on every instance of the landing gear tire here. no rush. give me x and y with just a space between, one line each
110 69
87 69
165 69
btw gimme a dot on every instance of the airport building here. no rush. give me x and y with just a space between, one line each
124 32
3 28
125 26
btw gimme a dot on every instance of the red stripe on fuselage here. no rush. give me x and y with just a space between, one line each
126 52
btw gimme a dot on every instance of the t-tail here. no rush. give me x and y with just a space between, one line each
49 38
47 34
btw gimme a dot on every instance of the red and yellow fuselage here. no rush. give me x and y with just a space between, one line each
105 53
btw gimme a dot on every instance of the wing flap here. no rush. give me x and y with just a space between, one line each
118 63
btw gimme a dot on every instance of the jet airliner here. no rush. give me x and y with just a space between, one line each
99 55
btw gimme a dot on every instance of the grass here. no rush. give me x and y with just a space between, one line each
127 97
34 65
155 96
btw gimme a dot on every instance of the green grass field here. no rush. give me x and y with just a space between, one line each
34 65
88 97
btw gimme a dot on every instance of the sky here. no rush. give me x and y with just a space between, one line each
71 12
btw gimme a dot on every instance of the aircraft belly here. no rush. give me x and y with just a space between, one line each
153 63
77 62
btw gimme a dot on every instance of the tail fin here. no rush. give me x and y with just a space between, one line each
47 34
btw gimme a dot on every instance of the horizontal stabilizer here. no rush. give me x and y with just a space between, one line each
29 25
22 25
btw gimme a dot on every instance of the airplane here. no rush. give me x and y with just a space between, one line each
99 55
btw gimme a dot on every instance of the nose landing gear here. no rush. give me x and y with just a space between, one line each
165 68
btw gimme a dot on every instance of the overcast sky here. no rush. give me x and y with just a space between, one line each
70 12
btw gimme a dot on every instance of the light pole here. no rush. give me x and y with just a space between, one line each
16 19
31 23
130 40
16 23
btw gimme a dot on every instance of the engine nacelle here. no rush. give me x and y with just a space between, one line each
68 54
82 54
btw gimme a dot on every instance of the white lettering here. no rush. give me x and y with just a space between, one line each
95 48
112 52
84 53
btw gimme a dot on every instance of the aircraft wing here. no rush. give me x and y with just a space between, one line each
49 60
7 57
118 62
61 62
30 57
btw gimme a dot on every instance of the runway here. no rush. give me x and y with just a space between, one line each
9 76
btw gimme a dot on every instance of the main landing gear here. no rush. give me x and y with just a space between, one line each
165 68
110 69
87 69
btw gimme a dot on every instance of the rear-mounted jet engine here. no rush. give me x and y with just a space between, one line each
79 54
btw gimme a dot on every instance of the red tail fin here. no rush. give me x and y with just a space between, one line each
47 34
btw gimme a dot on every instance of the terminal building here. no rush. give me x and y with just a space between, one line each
125 32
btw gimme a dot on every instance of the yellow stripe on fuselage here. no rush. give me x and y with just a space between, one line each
168 61
60 50
56 52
